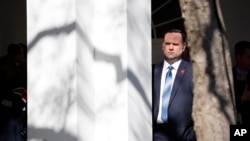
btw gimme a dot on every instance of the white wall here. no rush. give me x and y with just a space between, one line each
89 68
52 106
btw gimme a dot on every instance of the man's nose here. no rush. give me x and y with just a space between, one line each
171 47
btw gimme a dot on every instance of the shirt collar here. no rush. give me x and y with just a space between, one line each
241 75
175 65
240 71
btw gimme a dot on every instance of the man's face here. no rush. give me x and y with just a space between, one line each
244 60
173 47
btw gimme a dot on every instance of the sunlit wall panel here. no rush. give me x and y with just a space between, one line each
52 109
106 94
139 70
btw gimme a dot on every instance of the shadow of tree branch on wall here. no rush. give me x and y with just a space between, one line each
81 100
135 81
66 29
139 73
59 97
121 73
51 135
115 60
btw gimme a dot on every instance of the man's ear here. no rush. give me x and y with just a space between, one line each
184 46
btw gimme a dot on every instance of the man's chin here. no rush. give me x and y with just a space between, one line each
171 60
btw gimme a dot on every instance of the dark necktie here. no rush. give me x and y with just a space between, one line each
166 94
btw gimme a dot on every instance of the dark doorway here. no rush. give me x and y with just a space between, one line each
13 70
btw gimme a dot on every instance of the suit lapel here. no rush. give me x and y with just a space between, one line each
157 86
178 79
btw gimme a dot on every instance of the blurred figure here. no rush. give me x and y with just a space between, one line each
241 76
13 98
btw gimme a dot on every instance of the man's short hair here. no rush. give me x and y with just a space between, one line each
241 46
175 30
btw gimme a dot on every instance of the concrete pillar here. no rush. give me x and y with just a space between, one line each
89 67
52 109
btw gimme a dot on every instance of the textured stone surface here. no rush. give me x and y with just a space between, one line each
213 107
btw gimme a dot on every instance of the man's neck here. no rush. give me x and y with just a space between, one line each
171 61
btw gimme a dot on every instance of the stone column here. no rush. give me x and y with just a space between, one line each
102 89
52 106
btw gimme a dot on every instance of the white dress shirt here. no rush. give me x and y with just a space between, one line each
163 77
241 75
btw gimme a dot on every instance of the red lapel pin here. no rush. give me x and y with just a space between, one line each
182 71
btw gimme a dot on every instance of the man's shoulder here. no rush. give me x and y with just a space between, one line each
186 64
157 64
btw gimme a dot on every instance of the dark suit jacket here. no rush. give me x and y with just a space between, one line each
180 123
242 107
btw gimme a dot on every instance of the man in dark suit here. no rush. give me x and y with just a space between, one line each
241 76
173 92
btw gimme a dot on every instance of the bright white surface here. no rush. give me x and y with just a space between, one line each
51 70
139 70
104 95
